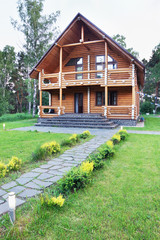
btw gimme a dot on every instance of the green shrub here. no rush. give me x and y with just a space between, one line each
66 142
74 138
14 164
85 134
106 151
74 180
123 133
146 107
52 201
116 138
47 149
3 169
97 160
87 167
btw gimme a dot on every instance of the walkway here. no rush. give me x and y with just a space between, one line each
32 183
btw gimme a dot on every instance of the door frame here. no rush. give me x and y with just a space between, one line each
78 94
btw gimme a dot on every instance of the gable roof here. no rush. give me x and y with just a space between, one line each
53 52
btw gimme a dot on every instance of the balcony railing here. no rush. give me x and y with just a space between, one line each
50 111
121 112
116 77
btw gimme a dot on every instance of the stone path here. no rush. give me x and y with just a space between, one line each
32 183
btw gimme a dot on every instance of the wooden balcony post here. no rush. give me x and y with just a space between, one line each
105 79
60 81
40 89
133 90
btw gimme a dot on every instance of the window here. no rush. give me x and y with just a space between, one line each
100 98
112 98
79 68
112 64
100 64
78 63
63 96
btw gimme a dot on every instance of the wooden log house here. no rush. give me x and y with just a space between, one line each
85 71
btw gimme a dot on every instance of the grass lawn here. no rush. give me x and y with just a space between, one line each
23 144
121 203
19 123
152 123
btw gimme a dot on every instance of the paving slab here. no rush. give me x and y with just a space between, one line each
44 176
39 170
56 167
46 166
32 185
30 175
9 185
23 180
1 201
17 189
28 193
2 192
55 173
43 184
55 179
4 208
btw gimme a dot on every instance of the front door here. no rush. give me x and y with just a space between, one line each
78 103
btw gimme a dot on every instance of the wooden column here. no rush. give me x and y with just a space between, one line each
60 80
105 79
82 33
133 90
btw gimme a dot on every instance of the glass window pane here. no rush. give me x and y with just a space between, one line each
79 61
100 59
79 76
79 69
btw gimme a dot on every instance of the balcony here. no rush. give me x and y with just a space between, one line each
116 77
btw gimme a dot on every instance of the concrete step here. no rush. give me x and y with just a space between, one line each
79 126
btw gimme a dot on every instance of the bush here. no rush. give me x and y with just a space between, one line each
106 151
51 201
87 167
47 149
116 138
123 133
97 160
74 138
14 164
146 107
3 169
85 134
74 180
66 142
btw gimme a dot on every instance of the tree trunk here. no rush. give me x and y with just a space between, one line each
34 97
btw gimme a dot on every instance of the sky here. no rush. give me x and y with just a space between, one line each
137 20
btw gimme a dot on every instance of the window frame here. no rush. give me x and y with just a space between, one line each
102 98
79 65
114 63
111 98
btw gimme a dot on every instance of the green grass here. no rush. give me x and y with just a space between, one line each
152 123
15 117
18 123
121 203
23 143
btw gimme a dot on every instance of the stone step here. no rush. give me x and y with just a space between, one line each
79 125
102 121
76 123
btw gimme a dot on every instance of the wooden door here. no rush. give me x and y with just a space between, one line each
78 103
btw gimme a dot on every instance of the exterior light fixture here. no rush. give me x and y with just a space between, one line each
12 206
4 126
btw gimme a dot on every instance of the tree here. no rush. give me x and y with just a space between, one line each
38 31
153 71
121 40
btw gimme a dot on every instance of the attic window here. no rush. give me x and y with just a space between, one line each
74 61
100 64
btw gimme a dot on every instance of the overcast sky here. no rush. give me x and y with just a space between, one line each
137 20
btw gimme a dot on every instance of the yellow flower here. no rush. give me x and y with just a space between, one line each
87 167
